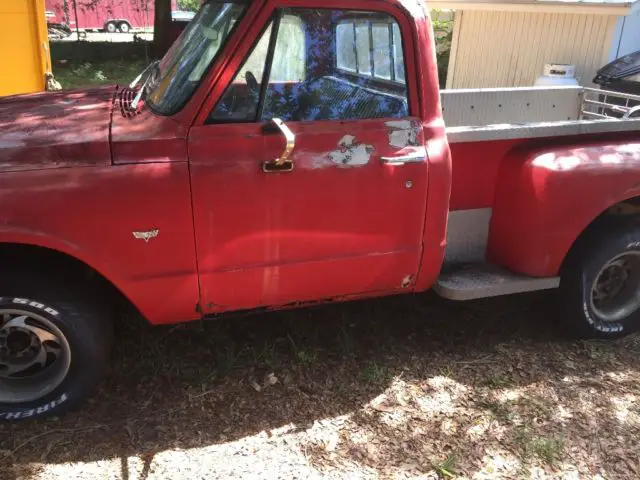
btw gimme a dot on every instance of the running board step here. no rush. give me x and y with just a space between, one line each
468 282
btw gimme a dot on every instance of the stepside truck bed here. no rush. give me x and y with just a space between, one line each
484 126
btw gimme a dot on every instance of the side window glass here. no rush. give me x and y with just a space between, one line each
288 70
240 101
324 65
289 56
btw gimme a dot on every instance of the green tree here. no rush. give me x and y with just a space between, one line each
190 5
443 30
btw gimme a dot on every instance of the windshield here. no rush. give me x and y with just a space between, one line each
183 66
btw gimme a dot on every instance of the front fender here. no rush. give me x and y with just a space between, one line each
546 197
100 216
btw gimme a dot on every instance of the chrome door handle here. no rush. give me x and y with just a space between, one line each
414 157
283 163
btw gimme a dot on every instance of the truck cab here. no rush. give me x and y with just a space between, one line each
287 153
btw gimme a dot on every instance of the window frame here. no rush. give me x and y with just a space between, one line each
276 12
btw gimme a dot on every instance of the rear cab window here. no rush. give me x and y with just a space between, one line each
370 48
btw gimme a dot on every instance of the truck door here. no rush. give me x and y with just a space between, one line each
309 176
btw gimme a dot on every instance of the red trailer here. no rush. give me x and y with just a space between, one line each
108 15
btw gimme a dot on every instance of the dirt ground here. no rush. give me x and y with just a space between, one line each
404 387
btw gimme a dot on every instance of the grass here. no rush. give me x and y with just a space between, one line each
373 373
499 411
446 468
92 74
307 356
498 381
548 449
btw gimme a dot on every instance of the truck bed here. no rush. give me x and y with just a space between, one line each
473 115
483 125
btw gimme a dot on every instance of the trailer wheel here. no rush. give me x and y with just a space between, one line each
54 348
124 27
110 27
600 284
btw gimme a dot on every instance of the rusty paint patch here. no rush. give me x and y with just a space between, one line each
403 133
407 281
350 153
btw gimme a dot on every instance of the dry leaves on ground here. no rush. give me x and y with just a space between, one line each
407 387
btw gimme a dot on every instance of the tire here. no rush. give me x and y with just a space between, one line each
600 284
124 27
76 334
110 27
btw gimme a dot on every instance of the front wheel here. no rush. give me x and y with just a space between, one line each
124 27
600 284
54 349
111 27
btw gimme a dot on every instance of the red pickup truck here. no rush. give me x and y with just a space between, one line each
286 153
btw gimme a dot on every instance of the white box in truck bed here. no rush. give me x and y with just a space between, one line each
529 112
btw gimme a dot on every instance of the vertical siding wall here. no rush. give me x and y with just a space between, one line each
509 49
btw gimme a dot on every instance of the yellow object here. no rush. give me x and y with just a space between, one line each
24 43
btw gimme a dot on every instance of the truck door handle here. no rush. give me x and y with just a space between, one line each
283 163
419 156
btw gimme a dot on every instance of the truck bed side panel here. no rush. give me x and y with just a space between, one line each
546 197
475 171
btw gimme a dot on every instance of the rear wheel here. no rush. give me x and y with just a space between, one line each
54 349
110 27
124 27
600 284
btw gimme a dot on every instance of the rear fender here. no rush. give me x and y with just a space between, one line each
546 197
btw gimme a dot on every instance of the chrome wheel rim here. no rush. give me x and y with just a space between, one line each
34 356
615 292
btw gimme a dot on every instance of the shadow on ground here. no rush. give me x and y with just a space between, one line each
195 385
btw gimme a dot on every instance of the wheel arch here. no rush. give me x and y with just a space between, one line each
624 211
28 256
549 198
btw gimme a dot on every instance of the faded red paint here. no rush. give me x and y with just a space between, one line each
326 229
546 197
233 237
51 130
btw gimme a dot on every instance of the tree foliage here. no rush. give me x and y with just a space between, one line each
189 5
443 33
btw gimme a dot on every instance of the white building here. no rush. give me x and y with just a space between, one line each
502 43
626 38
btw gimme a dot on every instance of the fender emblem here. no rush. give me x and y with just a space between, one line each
147 235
